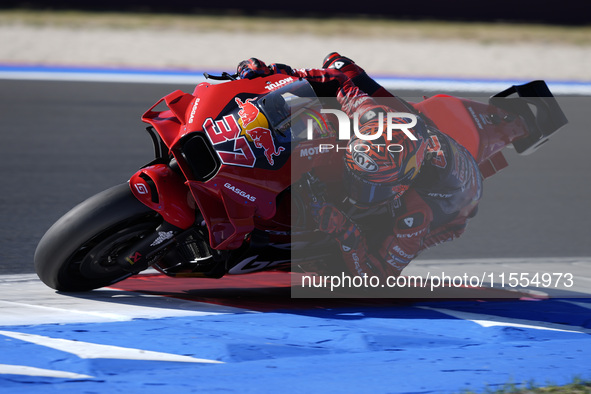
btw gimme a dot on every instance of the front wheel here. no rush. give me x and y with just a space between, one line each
79 252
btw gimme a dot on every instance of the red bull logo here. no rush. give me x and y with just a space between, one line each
262 138
252 126
248 111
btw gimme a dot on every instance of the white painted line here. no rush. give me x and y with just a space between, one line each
579 304
6 369
82 74
487 86
500 321
555 277
106 316
194 77
25 300
89 350
103 77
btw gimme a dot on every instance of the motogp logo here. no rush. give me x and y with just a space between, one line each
392 122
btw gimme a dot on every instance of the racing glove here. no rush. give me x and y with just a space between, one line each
254 68
356 73
325 82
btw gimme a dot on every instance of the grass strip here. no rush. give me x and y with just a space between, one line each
577 387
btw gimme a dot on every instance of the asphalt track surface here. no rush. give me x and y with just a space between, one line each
64 141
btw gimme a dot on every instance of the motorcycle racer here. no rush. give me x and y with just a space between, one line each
428 190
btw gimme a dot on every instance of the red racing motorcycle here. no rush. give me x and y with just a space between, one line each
229 189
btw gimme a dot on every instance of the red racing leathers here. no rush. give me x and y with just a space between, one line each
432 209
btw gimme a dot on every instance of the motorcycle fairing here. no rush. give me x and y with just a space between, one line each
231 197
161 189
469 123
547 118
230 207
170 123
485 129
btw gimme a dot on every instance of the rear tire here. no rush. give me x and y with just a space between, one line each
79 252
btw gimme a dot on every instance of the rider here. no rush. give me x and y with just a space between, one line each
430 189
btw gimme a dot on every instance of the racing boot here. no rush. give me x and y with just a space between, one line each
356 73
343 64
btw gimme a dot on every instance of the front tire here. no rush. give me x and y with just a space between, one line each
79 252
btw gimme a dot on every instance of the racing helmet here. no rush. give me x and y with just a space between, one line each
381 170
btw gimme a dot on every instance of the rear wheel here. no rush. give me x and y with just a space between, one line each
79 252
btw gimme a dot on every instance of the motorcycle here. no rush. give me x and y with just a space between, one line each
228 190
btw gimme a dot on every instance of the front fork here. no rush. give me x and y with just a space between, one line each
148 250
